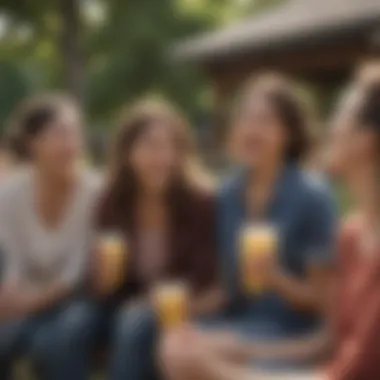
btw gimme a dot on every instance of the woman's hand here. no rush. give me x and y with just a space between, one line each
10 304
228 346
305 294
268 271
18 300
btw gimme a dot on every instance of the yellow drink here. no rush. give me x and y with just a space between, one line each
113 256
171 304
256 242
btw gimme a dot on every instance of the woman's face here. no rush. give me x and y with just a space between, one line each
61 143
155 157
258 136
350 147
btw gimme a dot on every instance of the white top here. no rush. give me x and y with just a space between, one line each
35 254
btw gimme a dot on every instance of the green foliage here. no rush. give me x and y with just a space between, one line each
129 56
14 86
125 45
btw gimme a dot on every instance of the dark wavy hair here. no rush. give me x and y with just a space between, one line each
281 93
117 203
31 118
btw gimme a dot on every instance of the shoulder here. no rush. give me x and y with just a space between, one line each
231 181
316 204
230 184
15 186
315 190
14 194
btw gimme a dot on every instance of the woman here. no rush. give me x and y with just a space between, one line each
269 139
156 199
45 231
355 158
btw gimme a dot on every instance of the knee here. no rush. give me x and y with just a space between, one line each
76 323
133 324
43 345
9 337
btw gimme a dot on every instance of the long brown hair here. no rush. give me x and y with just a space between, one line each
116 208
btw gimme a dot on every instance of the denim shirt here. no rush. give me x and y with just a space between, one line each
303 211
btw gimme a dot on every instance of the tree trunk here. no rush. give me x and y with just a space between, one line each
71 49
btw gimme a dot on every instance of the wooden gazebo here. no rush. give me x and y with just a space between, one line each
318 40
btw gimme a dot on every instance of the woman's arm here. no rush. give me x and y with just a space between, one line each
308 293
359 356
233 348
188 355
317 344
19 300
309 347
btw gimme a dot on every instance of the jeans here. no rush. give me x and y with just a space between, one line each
22 337
250 330
58 341
133 344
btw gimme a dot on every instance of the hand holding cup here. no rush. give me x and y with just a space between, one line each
258 248
112 255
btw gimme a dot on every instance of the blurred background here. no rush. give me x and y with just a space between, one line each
196 53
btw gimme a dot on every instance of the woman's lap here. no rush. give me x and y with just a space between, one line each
249 331
18 336
242 326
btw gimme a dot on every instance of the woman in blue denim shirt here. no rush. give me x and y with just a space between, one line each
269 140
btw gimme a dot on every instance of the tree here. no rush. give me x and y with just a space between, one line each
110 62
129 55
14 86
71 51
54 26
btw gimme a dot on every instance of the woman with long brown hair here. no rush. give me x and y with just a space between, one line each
156 199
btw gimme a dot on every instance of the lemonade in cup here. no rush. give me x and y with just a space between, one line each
171 302
257 241
113 253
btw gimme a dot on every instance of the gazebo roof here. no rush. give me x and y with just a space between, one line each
292 23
